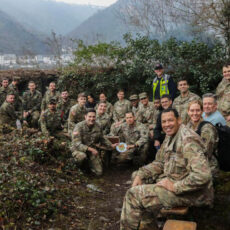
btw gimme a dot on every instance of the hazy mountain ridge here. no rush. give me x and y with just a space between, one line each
14 38
46 15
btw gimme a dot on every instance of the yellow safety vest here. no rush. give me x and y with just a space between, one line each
163 85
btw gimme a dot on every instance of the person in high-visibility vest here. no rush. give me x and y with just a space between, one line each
163 83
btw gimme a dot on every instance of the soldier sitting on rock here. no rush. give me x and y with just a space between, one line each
50 120
87 142
31 104
135 135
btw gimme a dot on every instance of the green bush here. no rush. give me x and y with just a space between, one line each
107 67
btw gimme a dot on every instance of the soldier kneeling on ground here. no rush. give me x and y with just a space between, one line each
88 142
135 135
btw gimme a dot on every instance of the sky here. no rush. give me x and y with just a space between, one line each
91 2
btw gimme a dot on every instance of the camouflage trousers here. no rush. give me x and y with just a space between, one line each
138 155
33 119
95 162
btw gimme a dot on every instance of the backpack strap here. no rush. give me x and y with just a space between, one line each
198 131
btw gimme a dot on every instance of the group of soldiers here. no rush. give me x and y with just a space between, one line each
180 175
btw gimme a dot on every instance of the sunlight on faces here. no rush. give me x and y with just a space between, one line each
183 86
101 108
31 86
81 101
5 83
145 101
52 86
170 124
195 112
90 118
130 119
226 72
157 103
10 99
166 103
209 105
121 95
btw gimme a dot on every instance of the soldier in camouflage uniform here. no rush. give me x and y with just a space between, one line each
4 90
180 175
223 94
121 107
50 120
64 105
181 102
147 113
109 106
31 103
51 93
87 140
135 135
13 88
134 99
103 118
157 106
208 134
8 115
77 113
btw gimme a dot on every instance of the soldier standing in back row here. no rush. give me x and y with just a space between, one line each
31 104
4 90
64 105
134 99
51 93
77 112
223 94
181 102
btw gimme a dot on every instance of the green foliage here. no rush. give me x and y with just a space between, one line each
132 67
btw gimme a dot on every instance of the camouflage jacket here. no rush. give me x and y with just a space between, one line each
105 122
76 114
64 107
181 159
85 136
48 95
120 108
3 93
131 135
109 109
181 105
7 114
18 101
210 139
146 114
223 97
31 101
50 122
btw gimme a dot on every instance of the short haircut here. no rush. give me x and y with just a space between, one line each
31 82
121 90
195 102
174 111
10 93
101 103
167 96
52 82
81 95
130 112
5 79
226 64
183 79
212 95
90 111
